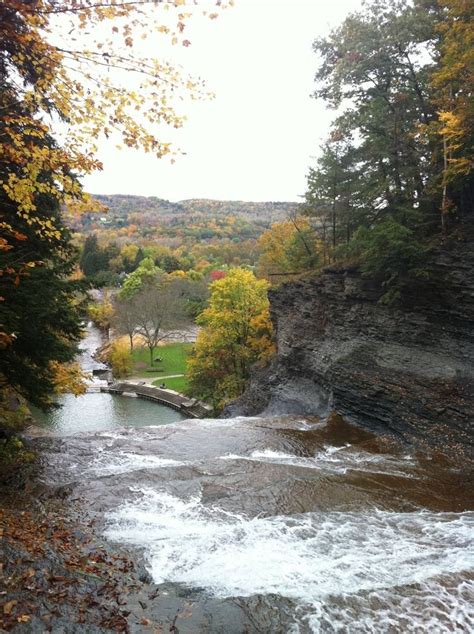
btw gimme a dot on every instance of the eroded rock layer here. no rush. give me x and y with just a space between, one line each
407 370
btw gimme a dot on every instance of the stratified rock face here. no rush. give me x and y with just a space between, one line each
407 371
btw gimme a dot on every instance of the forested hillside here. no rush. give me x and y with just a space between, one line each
186 233
202 218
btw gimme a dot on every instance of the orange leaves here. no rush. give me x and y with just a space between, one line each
18 236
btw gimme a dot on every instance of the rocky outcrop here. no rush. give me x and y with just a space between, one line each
407 370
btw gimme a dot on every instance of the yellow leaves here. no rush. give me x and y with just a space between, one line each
283 250
236 333
120 359
178 274
23 618
86 88
451 125
451 78
8 607
101 314
68 378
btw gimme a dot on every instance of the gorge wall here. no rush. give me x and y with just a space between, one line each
407 371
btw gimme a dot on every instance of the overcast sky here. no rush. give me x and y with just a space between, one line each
256 139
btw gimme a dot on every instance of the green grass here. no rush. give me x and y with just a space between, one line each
179 384
174 357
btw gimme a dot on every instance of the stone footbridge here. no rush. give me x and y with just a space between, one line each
192 408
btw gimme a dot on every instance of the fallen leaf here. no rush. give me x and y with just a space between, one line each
8 607
24 618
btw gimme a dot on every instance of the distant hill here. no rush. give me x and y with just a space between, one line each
151 220
121 206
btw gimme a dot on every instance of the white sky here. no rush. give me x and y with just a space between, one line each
256 140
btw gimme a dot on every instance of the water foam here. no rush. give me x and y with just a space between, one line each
125 462
317 559
333 459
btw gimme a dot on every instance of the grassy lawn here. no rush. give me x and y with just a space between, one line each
179 384
173 357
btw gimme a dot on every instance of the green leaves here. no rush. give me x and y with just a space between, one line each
396 169
391 254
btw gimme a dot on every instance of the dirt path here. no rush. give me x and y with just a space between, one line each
148 380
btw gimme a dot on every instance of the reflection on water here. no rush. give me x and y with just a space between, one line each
101 412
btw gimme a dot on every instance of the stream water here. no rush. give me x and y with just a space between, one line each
101 411
281 524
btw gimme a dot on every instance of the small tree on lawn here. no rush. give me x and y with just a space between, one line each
160 309
236 333
120 360
125 317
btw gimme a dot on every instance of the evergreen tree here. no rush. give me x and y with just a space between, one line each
399 159
39 312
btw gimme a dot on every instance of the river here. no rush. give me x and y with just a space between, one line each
101 411
281 524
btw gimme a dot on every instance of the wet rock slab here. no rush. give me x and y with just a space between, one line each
236 525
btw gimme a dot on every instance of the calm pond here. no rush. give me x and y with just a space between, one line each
99 411
102 412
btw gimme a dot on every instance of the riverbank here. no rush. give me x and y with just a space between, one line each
57 574
405 369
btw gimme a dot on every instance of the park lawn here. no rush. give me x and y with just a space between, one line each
178 384
174 357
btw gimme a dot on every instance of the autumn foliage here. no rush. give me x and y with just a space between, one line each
236 333
395 175
71 72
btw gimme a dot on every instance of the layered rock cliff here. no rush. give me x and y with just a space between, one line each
406 370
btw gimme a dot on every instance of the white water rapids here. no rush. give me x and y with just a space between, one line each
307 526
368 571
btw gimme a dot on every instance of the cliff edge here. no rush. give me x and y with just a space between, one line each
407 371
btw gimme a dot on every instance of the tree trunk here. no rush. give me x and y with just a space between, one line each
334 198
444 201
